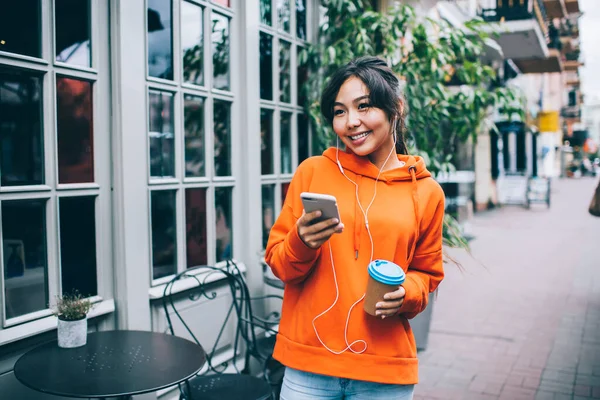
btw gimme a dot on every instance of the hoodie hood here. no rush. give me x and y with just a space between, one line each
413 169
362 166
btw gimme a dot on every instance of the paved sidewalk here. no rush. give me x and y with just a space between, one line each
524 322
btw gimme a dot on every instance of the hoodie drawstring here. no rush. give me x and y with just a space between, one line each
358 217
415 195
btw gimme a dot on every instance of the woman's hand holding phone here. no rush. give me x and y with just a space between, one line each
315 234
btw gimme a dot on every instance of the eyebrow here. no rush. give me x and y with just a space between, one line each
337 103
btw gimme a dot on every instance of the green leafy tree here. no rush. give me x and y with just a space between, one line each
448 91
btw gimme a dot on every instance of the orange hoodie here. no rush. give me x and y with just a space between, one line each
405 221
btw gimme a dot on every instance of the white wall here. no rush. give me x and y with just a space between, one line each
549 86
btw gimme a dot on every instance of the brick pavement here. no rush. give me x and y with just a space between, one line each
523 320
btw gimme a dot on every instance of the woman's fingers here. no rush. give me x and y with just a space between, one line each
314 234
387 313
391 303
315 240
309 222
306 219
396 294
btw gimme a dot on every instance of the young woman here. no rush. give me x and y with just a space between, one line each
390 208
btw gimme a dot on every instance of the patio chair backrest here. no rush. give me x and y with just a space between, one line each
201 283
206 283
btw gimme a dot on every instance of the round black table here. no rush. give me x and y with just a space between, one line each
111 364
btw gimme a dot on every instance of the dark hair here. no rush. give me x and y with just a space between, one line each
384 92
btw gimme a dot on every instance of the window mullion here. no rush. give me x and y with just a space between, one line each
103 256
48 31
94 18
178 132
211 221
294 140
293 20
176 27
275 69
294 73
277 141
208 64
2 283
53 248
180 227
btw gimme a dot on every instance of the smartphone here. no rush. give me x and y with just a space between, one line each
324 202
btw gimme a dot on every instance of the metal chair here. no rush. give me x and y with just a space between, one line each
260 348
216 383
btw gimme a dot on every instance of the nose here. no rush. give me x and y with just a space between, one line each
353 120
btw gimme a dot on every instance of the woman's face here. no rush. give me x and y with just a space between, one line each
364 129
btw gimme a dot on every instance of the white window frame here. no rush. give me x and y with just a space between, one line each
276 105
99 75
179 88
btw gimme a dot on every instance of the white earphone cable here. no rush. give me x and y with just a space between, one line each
337 290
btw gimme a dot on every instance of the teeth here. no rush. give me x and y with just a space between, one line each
359 136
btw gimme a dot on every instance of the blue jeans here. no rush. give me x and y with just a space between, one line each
300 385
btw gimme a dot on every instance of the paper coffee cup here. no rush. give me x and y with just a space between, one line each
384 277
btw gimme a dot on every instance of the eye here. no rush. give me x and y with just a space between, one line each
337 112
364 106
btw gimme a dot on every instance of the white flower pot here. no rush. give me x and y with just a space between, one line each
72 333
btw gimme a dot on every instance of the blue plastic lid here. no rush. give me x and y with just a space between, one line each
386 272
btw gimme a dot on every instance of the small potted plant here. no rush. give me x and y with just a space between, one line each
71 310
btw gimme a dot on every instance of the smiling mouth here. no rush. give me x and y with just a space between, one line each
360 135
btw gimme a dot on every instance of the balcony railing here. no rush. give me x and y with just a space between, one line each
571 112
512 10
573 56
569 29
554 38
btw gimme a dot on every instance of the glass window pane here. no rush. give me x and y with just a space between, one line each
286 143
72 24
284 189
285 78
301 79
25 259
20 28
266 66
195 227
220 51
192 43
78 245
160 39
222 121
265 12
164 235
162 137
266 140
22 137
193 115
74 122
268 211
303 149
224 224
301 19
283 13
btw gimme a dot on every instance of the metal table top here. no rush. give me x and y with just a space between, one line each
111 364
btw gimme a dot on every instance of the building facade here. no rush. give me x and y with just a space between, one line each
539 46
140 138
